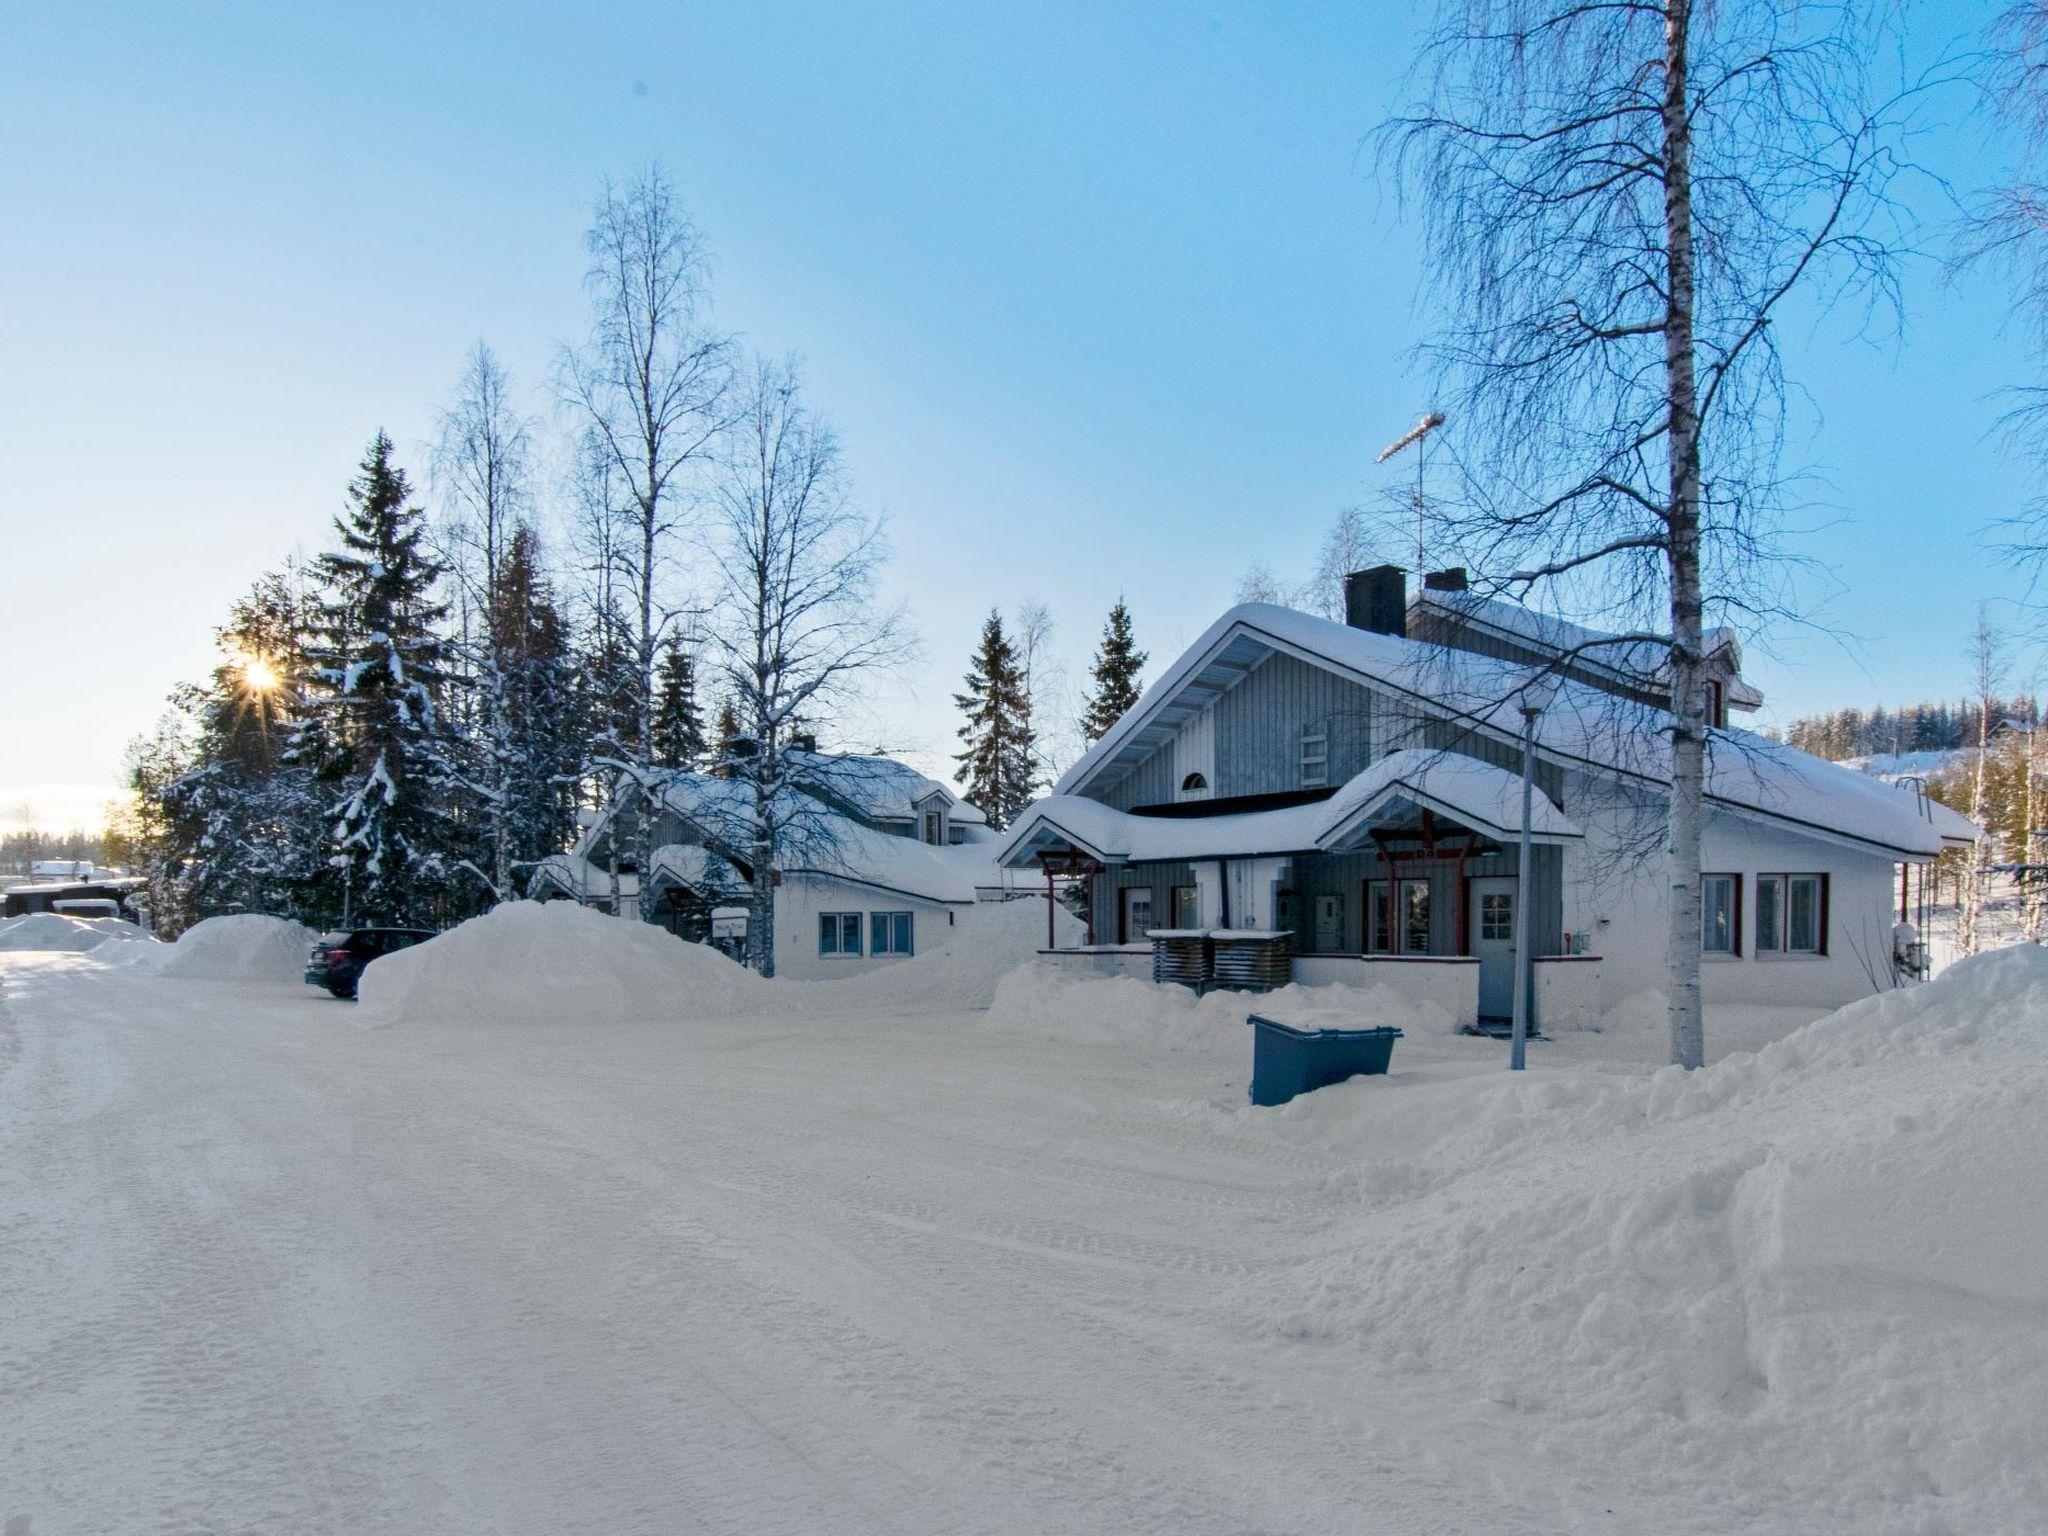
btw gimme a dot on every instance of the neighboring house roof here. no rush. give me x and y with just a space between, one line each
1469 792
817 835
880 788
1640 660
1583 727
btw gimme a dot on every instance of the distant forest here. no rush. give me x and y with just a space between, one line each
1925 727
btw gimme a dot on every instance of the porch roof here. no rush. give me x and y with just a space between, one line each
1392 792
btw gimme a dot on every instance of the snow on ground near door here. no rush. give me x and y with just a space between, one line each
811 1269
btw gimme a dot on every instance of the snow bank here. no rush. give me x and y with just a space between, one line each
530 962
1041 1000
244 947
1826 1262
56 931
986 944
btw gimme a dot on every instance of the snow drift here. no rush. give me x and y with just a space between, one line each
244 947
1119 1011
553 962
1825 1262
57 931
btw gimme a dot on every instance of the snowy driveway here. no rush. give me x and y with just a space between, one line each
266 1271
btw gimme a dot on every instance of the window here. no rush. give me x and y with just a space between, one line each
1721 914
1792 914
1194 783
1135 914
933 828
1717 704
838 933
889 933
1187 907
1315 757
1407 922
1497 917
1415 917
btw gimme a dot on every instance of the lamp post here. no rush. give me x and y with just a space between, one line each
1536 697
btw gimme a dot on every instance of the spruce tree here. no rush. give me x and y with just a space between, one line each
1118 661
386 756
1000 762
678 728
539 740
242 823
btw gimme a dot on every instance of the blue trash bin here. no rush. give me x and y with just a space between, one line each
1287 1061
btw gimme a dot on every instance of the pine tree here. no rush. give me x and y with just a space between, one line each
1118 661
1000 761
678 728
403 848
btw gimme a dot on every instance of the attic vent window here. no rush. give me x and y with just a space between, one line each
1194 781
1315 758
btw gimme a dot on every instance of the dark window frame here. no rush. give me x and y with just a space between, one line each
837 923
1735 914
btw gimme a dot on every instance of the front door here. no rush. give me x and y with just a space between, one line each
1135 916
1329 925
1493 941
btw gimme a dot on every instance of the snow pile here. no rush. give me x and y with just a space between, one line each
55 931
986 943
529 962
244 947
1825 1262
1041 1000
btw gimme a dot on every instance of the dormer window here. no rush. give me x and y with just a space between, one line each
934 828
1717 705
1194 784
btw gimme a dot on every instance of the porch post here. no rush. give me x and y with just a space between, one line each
1048 904
1533 701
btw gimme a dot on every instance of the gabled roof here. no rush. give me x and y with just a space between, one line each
1583 728
1466 791
1642 661
880 788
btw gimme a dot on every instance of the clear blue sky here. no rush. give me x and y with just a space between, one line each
1103 298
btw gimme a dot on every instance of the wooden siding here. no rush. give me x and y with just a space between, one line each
1104 891
1258 728
1345 875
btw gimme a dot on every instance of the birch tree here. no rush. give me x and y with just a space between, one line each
1987 673
482 466
796 625
1620 201
651 386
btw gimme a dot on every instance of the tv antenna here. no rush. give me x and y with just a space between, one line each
1419 436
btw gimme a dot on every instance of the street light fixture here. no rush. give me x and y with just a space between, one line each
1536 697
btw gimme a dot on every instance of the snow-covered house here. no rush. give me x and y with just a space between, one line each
1343 802
875 861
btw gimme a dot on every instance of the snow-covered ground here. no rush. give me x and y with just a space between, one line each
798 1260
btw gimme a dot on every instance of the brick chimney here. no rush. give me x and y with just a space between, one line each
1452 580
1377 600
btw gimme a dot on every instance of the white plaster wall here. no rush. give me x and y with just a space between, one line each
1617 894
799 900
1567 993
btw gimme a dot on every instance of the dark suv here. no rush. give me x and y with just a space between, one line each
338 959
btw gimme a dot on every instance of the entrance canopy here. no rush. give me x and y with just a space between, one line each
1399 792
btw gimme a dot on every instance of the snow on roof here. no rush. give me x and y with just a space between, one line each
882 859
1649 660
1465 790
695 867
816 838
1583 727
879 787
